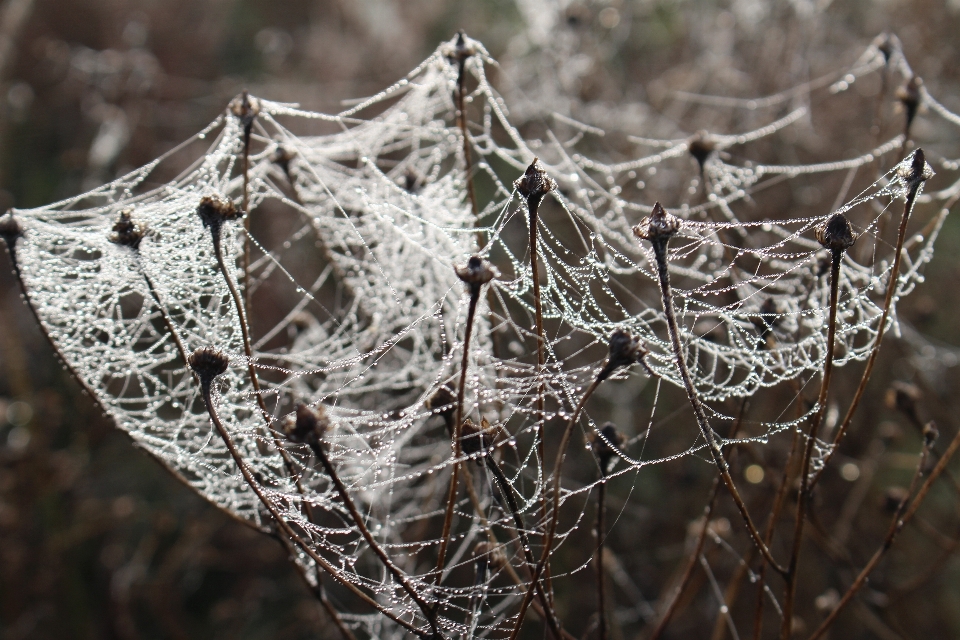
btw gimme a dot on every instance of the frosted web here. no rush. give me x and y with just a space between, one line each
356 223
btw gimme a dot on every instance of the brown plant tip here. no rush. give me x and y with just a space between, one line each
885 45
930 434
10 228
127 232
282 157
606 446
476 439
214 211
909 96
461 48
914 170
701 145
476 272
307 424
625 350
658 227
836 234
534 183
208 363
246 108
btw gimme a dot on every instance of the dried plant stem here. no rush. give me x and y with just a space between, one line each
660 252
900 519
791 577
601 534
918 166
283 524
462 123
554 519
457 435
691 564
399 576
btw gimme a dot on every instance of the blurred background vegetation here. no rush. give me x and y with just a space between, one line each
97 541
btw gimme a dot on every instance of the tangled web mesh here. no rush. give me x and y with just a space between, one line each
355 306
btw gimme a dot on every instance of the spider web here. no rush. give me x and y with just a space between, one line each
356 305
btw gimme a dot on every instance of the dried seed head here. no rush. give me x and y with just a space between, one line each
914 170
903 397
282 157
491 553
930 434
658 227
909 96
534 183
10 229
127 232
625 351
836 234
444 402
701 145
460 49
476 273
208 363
474 439
246 108
606 446
214 211
306 425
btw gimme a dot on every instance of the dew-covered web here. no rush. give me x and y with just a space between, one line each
356 222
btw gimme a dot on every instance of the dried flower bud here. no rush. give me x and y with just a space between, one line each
282 157
10 229
930 434
208 363
460 49
885 45
606 446
658 227
476 273
909 96
474 439
701 145
491 553
836 234
127 232
534 183
914 170
214 211
903 397
625 350
306 425
444 402
246 108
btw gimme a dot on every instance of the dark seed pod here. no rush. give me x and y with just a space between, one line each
246 108
306 425
282 157
534 184
658 227
10 229
836 234
208 363
915 171
127 232
909 96
492 553
444 402
461 49
625 351
701 145
606 446
930 434
476 273
474 439
214 211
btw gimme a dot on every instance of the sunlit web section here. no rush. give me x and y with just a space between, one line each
356 221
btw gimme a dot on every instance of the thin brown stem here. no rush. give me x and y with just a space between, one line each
789 594
660 252
601 534
900 520
916 182
282 523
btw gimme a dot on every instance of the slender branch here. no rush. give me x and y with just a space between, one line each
208 364
917 173
658 228
246 108
464 49
900 519
837 236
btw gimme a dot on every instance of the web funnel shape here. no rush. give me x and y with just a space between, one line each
365 315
